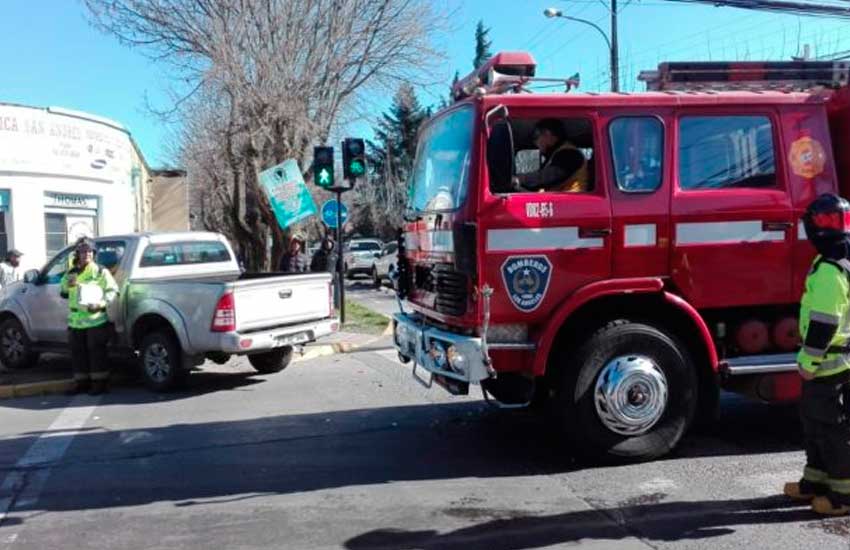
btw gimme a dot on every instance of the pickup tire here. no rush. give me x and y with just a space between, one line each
15 346
160 362
628 394
271 362
376 279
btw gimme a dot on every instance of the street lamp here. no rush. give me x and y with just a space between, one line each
612 42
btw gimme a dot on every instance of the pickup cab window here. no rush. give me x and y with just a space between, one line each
57 267
184 253
717 152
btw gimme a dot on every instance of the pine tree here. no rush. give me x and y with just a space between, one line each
482 45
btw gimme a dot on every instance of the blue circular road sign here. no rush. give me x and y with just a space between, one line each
329 213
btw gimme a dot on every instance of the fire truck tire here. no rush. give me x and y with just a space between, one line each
626 395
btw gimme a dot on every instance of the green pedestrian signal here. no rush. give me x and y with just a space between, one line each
353 158
323 167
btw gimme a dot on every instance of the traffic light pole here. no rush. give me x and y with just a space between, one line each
339 263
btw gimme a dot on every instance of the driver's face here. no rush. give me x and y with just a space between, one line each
544 140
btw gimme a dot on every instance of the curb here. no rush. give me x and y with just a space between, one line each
35 388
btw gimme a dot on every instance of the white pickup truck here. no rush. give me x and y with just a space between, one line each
183 299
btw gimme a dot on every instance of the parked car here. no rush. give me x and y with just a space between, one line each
359 256
182 299
384 265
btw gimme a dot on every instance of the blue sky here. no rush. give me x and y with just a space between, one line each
62 61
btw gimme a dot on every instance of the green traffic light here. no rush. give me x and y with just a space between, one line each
356 168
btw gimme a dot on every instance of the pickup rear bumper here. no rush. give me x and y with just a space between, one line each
236 343
442 353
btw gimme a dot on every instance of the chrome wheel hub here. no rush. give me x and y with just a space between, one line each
156 363
630 394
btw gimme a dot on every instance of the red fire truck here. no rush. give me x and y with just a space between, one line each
625 308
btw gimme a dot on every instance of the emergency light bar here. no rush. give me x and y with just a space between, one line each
746 75
503 71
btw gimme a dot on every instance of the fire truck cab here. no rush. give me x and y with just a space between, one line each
626 307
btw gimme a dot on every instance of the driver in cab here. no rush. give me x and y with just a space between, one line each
564 168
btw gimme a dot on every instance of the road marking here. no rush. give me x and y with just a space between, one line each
45 451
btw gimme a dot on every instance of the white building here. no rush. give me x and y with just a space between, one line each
64 174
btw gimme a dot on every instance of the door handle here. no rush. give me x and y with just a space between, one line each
285 293
593 233
775 226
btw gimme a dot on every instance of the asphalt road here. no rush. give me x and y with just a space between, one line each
349 452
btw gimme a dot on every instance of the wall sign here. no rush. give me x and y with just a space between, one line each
66 200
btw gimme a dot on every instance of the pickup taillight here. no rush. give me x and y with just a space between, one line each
224 318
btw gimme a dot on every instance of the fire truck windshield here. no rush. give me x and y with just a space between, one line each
441 170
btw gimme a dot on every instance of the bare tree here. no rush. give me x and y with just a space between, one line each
266 80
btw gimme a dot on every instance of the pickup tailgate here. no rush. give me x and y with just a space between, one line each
281 300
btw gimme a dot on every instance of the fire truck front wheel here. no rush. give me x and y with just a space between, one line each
627 394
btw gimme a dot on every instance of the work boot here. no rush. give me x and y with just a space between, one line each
98 387
78 387
793 491
824 506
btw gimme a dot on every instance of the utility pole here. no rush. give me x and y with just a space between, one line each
615 52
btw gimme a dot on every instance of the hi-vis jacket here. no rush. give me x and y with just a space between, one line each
824 318
576 182
79 317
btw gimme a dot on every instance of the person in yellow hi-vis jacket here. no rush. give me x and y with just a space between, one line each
824 361
89 289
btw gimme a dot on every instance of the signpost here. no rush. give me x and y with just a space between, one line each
330 214
354 167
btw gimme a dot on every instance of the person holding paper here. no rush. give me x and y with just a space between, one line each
89 289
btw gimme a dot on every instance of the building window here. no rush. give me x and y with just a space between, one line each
637 148
56 231
720 152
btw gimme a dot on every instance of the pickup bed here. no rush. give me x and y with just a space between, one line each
183 299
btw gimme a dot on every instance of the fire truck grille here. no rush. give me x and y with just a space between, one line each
449 286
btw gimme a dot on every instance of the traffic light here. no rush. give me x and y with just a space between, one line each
353 158
323 167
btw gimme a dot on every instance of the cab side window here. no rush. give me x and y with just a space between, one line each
549 155
637 149
719 152
57 267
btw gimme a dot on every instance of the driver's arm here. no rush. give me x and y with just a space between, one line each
564 164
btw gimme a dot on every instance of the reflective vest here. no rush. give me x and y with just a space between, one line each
825 318
79 317
577 182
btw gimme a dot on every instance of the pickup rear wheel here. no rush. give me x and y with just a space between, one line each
376 279
160 362
15 346
628 395
271 361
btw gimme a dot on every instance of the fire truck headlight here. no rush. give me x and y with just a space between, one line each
438 355
457 360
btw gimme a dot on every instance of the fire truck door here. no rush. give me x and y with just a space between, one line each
541 247
637 151
731 212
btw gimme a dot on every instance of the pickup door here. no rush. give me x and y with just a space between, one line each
269 302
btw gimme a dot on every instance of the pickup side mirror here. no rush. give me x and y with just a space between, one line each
377 254
31 276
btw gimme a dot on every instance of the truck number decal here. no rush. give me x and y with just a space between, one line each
539 210
526 280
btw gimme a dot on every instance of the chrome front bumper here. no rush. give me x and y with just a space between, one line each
432 348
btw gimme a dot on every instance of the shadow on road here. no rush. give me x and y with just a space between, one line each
669 521
205 463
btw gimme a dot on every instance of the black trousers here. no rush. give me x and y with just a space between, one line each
826 432
88 352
